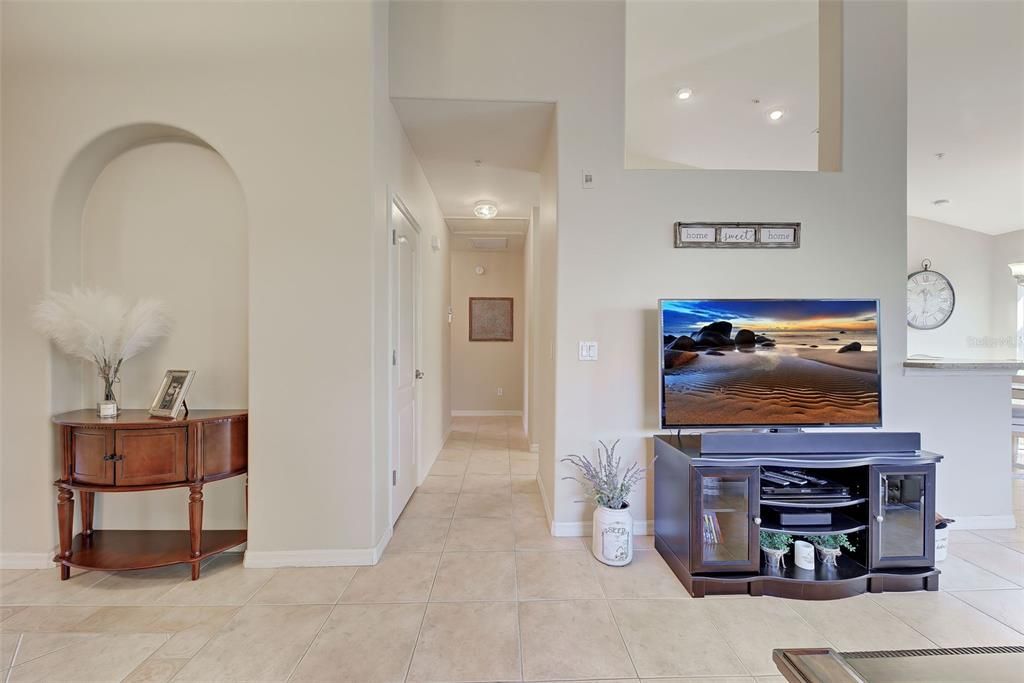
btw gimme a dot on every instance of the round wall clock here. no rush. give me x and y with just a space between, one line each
930 298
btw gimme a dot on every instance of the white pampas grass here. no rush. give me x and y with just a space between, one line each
99 327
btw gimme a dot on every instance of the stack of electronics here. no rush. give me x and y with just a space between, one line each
796 486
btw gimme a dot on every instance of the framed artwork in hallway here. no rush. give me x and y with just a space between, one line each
490 319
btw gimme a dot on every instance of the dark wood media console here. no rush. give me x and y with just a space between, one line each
137 452
709 512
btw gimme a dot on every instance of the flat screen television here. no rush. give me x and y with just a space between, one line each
770 363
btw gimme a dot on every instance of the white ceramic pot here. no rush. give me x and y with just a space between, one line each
612 542
941 543
803 555
829 556
774 558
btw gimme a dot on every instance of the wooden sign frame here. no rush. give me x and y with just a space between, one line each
737 235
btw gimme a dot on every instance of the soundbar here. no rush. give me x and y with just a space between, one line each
793 443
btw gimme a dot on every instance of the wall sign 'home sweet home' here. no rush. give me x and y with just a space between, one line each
737 235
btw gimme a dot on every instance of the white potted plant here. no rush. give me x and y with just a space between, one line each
830 546
100 328
612 541
775 545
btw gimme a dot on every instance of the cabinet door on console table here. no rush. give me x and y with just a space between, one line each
149 457
91 461
902 516
726 506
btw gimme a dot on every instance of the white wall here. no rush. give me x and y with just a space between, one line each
283 92
615 255
168 221
1007 248
479 369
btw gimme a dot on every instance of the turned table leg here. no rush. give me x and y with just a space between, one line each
88 501
195 525
65 527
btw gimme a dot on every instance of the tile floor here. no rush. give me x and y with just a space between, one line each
469 591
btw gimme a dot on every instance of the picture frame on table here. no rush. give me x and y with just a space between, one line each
170 398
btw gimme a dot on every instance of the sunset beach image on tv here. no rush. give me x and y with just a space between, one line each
770 362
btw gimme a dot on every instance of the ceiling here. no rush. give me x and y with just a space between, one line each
966 100
729 54
473 150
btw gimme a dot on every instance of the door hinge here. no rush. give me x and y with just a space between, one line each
394 356
394 237
394 477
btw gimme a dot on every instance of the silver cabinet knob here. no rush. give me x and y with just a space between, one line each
879 518
757 521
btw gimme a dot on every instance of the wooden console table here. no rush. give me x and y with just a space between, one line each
138 452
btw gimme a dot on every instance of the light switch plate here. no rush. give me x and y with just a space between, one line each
588 179
588 350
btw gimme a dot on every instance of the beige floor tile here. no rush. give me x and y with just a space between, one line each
674 638
424 504
419 535
466 576
859 623
190 636
8 576
44 587
468 641
448 468
155 670
647 576
964 537
121 654
261 643
1015 547
755 627
458 444
9 643
528 505
713 679
439 484
365 643
304 586
490 443
224 581
958 574
571 640
499 455
488 465
532 533
525 484
484 505
51 618
487 483
993 557
1005 606
36 645
132 588
1002 535
454 455
947 621
556 576
398 577
9 612
480 533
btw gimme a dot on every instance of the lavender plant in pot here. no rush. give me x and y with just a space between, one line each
609 487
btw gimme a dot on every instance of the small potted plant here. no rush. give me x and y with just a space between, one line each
775 545
612 541
830 547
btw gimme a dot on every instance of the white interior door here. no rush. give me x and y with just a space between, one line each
404 447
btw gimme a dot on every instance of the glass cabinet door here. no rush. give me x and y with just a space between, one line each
903 516
725 527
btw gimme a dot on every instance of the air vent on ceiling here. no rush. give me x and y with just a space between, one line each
489 243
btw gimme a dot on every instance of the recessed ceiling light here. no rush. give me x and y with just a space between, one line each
940 202
775 114
485 208
684 94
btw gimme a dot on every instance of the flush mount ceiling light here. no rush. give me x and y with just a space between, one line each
684 94
485 208
776 114
940 202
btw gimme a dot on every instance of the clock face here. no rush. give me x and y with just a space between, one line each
930 300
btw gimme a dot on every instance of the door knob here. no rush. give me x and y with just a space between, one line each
419 374
757 521
879 518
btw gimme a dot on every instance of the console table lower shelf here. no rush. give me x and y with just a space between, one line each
116 550
846 579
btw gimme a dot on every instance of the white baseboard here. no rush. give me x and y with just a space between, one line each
984 522
486 413
28 560
641 527
544 500
343 557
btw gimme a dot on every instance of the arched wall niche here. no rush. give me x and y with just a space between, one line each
151 210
